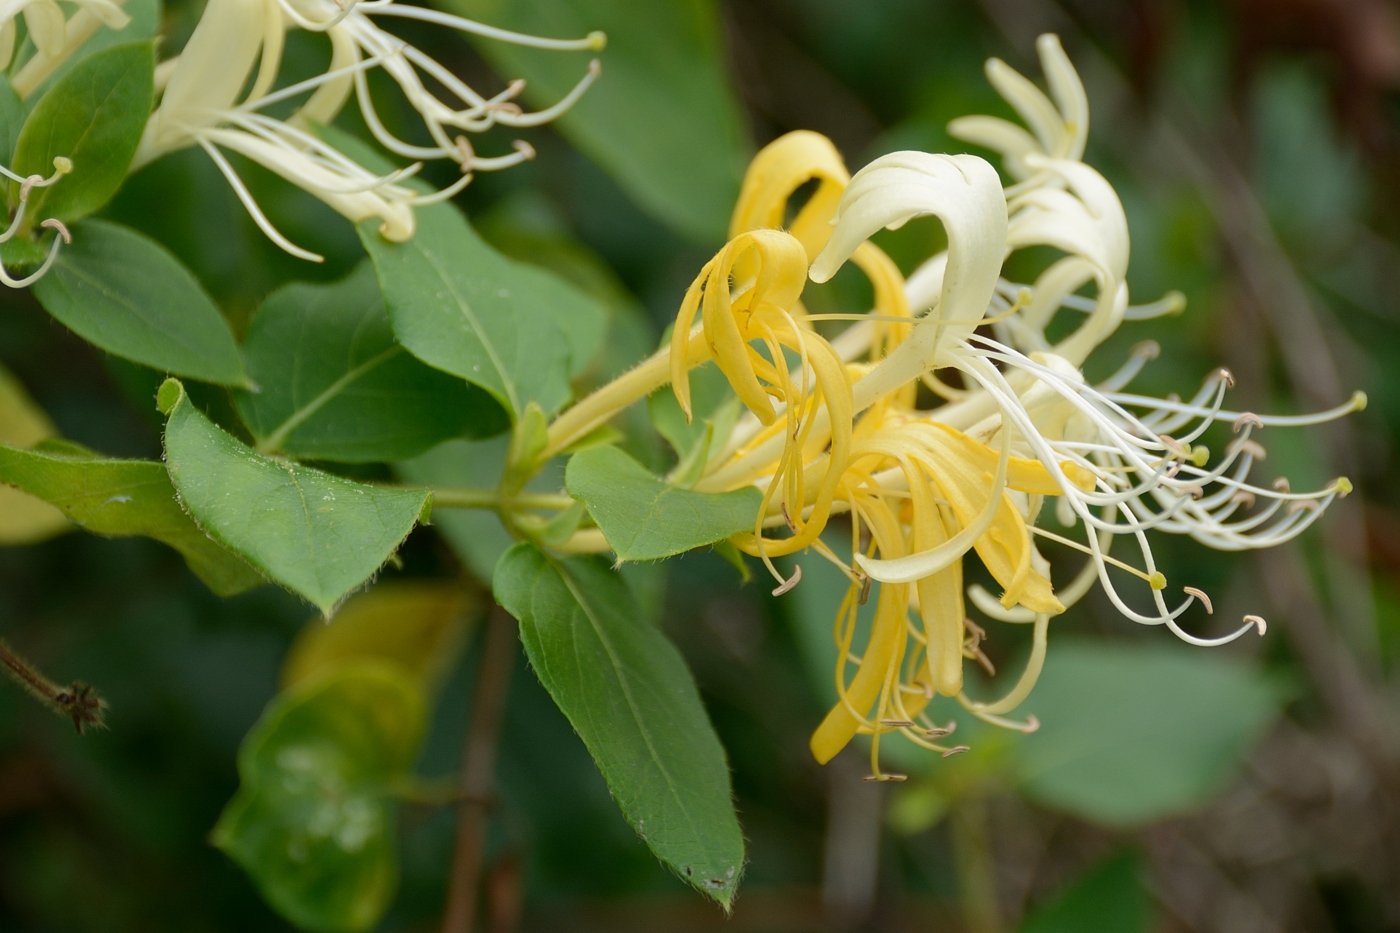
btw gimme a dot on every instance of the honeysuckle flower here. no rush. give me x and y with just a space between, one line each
55 35
923 488
203 103
832 426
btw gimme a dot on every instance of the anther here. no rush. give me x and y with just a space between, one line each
1148 350
1258 622
1201 595
1032 725
1192 490
1282 484
464 148
938 732
527 151
787 517
1174 445
1245 418
1226 376
897 723
957 750
1309 505
1244 497
791 581
53 223
887 777
1251 447
864 590
28 186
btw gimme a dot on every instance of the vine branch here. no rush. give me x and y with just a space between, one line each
477 778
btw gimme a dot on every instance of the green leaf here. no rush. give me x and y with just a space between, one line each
630 697
94 116
122 498
125 293
313 820
1112 899
318 535
662 120
145 24
1132 733
642 517
333 384
11 120
416 625
461 307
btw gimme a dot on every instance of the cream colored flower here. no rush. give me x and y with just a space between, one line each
203 103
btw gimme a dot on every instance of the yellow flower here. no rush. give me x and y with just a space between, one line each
925 487
833 427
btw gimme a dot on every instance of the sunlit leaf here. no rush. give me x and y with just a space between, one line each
317 534
458 305
332 384
417 625
644 518
127 294
313 822
122 498
93 116
630 697
662 120
1133 733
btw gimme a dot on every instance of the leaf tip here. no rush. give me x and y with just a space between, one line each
171 391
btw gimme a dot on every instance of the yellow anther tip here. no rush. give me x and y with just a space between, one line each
1358 401
1200 455
1343 486
1158 580
62 165
598 40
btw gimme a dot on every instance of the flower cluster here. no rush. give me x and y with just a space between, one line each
1015 433
203 103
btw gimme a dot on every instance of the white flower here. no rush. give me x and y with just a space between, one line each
1148 473
236 40
54 35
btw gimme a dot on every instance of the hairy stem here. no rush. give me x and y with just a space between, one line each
77 701
632 386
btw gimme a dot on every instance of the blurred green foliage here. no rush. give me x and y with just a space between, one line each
110 832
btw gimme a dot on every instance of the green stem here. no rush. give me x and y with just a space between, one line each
452 498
